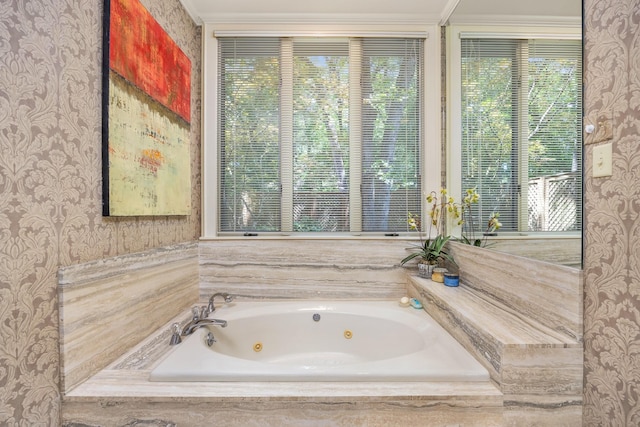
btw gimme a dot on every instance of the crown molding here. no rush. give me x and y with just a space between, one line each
518 20
449 8
447 16
319 19
191 10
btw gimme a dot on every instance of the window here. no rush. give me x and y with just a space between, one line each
319 134
521 131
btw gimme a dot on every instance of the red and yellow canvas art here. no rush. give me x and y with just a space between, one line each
147 109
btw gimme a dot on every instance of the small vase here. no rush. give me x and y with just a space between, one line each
425 270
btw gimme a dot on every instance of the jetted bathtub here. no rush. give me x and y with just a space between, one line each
307 340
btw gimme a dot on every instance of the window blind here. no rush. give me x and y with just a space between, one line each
249 134
521 132
319 134
391 132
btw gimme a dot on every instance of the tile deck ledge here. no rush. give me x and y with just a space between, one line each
531 364
506 326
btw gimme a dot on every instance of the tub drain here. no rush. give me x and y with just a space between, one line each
348 334
257 347
316 317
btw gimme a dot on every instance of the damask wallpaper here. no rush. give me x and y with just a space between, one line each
50 182
612 216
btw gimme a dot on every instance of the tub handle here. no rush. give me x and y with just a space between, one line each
175 337
210 339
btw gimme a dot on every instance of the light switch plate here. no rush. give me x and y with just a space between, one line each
602 161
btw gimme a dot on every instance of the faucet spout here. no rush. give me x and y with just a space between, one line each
195 317
227 299
202 323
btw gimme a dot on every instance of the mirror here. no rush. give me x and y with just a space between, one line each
554 246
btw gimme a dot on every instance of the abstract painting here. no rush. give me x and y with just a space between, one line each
146 116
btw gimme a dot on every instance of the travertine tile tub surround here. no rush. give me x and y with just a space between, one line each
122 395
521 319
562 250
321 268
108 306
533 387
547 293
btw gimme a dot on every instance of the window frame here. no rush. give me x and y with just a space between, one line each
455 34
431 120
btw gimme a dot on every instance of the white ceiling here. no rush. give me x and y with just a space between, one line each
516 12
552 12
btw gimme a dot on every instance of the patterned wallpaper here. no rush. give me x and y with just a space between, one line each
50 182
612 217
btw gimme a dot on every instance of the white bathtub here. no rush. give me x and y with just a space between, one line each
351 341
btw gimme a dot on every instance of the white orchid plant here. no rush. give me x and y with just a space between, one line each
444 209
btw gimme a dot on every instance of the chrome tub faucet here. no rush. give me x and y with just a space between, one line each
197 314
189 329
211 307
198 320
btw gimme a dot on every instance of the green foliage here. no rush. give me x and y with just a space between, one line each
320 123
431 251
251 157
492 104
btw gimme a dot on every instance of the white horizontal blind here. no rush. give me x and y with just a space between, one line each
320 135
249 134
521 132
391 132
555 135
291 159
